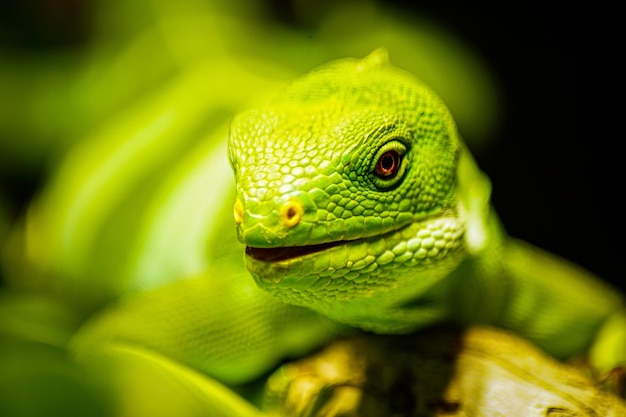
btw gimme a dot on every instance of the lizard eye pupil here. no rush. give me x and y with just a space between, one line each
388 164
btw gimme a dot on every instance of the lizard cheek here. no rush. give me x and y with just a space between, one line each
290 213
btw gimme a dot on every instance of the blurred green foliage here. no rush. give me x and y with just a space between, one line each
53 97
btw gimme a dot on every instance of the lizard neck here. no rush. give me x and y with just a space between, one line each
480 288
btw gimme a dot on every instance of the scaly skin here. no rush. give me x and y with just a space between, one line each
357 199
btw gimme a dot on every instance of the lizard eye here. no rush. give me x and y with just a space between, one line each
388 164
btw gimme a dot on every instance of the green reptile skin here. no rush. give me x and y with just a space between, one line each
360 208
357 199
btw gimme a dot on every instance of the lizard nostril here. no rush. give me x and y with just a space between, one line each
238 211
291 213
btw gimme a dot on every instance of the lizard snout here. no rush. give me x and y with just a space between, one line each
269 223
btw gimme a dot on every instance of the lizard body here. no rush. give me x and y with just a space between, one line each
360 207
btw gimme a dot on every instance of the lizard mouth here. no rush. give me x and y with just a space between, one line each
285 253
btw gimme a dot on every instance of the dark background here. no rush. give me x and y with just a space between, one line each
554 171
555 181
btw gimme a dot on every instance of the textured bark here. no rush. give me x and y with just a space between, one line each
477 372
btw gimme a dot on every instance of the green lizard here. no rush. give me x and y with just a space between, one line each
359 207
357 199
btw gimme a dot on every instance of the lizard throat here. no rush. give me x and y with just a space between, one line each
285 253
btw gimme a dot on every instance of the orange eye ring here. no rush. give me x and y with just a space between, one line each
388 164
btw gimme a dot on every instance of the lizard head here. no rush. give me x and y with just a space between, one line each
347 192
